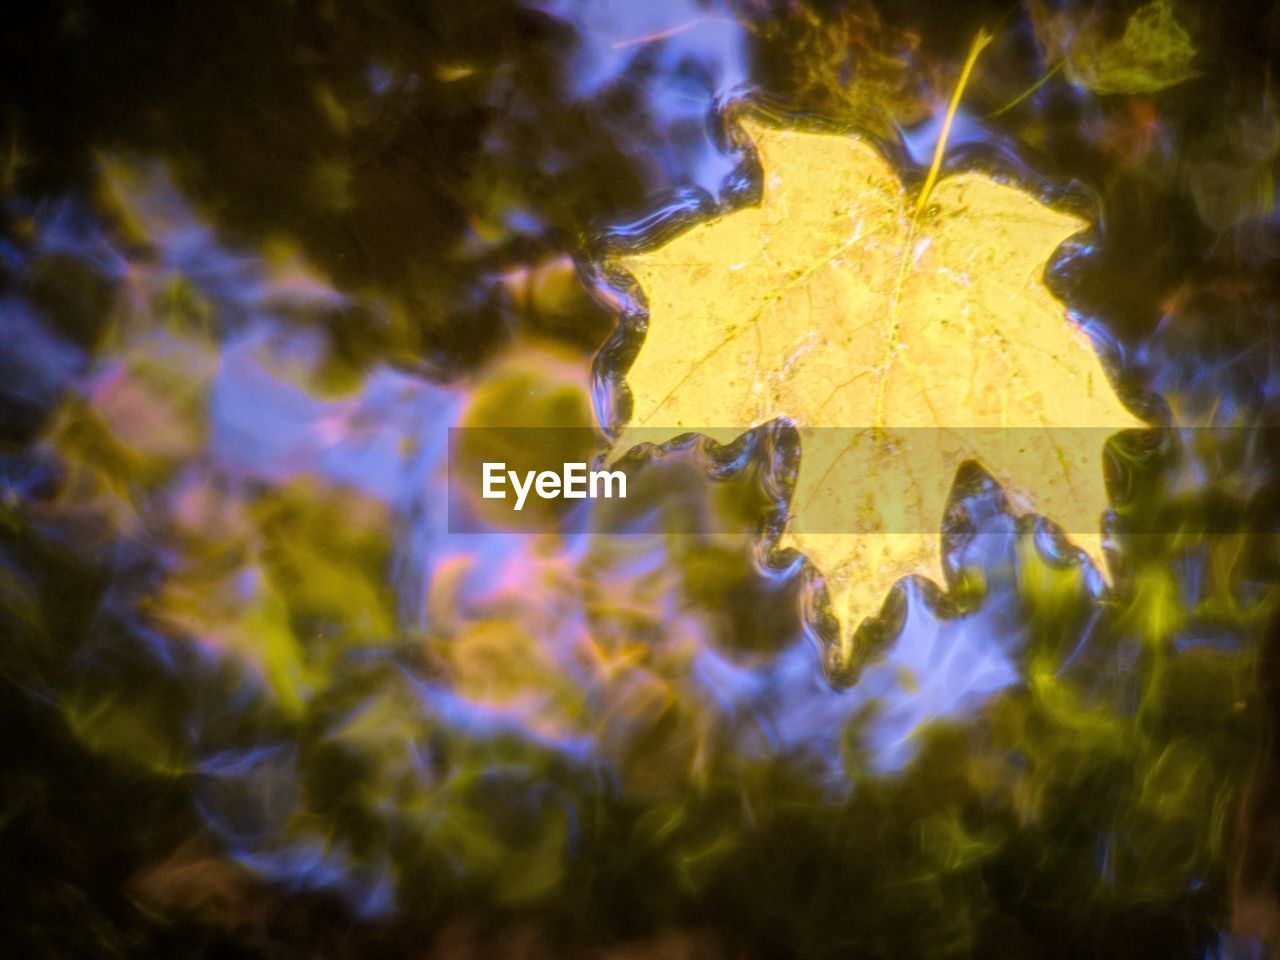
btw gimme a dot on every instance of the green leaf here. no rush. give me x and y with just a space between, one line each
1154 52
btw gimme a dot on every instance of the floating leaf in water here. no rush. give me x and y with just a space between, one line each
833 304
1154 52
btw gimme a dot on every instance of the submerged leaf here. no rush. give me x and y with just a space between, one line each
1154 52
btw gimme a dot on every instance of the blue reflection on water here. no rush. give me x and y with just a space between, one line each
683 59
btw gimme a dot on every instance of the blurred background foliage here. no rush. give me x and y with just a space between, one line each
257 258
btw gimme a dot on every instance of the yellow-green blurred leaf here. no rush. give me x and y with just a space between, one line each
1154 51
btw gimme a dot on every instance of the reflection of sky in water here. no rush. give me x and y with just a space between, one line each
921 141
682 59
266 425
269 426
582 691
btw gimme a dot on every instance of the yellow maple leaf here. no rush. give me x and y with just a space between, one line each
835 304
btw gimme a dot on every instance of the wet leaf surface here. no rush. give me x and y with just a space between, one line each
832 305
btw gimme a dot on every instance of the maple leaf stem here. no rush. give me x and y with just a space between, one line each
979 43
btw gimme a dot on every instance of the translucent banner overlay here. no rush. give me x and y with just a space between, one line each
855 480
